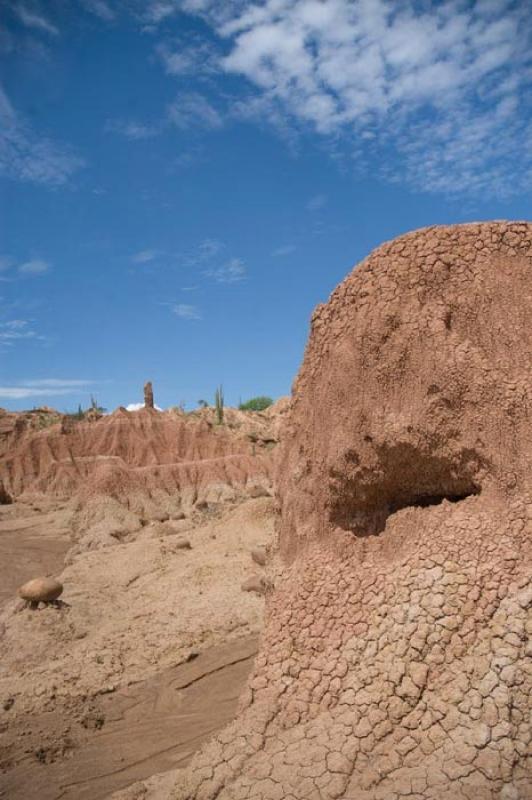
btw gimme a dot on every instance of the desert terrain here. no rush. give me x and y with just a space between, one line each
150 521
327 599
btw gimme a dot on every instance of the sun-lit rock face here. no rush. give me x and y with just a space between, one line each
394 660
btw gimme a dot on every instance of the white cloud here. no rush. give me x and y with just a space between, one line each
438 93
32 19
205 257
158 10
139 406
185 311
26 156
132 129
37 266
188 158
192 109
210 248
55 383
15 330
145 256
284 250
21 393
183 58
100 8
317 202
232 271
43 387
34 266
153 13
203 253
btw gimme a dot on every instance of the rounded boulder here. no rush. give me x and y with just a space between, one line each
41 590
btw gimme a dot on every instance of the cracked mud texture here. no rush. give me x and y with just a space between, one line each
394 661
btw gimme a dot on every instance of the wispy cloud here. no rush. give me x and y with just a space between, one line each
182 58
210 248
206 257
145 256
43 387
35 20
12 270
188 110
132 129
155 11
100 8
26 156
188 158
22 393
284 250
16 330
192 109
70 383
438 94
37 266
317 202
232 271
202 254
186 311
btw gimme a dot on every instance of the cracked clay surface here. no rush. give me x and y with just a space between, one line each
395 660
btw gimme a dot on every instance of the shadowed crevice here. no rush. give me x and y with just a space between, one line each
364 498
424 500
372 521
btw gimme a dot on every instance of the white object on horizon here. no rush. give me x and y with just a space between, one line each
138 406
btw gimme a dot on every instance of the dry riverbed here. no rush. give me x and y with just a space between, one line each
145 659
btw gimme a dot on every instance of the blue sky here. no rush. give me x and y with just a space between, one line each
182 181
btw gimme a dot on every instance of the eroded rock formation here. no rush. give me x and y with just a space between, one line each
148 395
394 661
134 457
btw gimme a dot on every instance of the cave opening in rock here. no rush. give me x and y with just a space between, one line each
371 521
364 497
426 500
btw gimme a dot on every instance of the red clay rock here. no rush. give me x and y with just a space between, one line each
125 455
394 658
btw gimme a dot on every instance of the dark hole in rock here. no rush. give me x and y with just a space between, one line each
425 500
372 521
395 477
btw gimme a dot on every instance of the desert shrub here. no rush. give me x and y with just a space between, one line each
76 416
46 421
81 414
256 404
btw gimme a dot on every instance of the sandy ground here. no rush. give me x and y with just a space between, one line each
150 727
148 654
31 543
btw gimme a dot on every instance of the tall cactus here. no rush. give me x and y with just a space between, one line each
219 404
